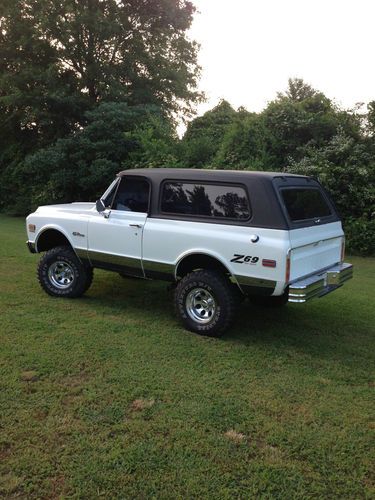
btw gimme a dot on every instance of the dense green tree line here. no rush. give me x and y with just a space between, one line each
304 132
91 87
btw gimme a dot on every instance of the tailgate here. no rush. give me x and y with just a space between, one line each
315 248
315 230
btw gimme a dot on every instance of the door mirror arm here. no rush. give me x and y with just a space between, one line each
100 207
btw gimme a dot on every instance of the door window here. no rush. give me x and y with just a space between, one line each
133 195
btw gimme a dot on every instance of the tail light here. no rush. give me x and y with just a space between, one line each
287 267
343 249
268 263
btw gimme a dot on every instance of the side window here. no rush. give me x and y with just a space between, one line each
132 195
205 200
304 203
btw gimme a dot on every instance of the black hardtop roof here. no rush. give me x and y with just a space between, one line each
159 174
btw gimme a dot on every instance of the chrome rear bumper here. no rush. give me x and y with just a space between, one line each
321 283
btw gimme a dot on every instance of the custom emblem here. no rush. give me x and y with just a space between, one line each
244 259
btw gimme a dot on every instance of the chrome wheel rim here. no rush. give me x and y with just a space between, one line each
200 305
61 274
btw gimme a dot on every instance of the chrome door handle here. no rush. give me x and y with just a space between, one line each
136 225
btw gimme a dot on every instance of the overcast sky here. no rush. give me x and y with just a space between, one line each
249 49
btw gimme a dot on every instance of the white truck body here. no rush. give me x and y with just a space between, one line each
302 259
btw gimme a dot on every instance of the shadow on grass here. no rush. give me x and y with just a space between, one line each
316 328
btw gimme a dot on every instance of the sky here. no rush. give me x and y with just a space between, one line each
249 49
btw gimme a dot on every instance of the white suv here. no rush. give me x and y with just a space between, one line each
218 235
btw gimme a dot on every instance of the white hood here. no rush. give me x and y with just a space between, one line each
78 207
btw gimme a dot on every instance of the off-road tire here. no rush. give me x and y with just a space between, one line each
219 289
81 275
278 301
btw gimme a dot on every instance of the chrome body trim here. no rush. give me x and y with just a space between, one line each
255 286
81 253
250 281
127 265
31 246
158 270
321 283
316 243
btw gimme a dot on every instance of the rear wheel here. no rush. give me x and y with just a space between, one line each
62 274
205 302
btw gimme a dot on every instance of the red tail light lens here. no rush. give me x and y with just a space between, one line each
287 269
268 263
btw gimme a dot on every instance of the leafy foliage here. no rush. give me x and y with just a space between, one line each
78 166
301 131
90 87
205 134
347 169
59 61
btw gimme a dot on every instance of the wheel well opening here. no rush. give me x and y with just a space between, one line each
51 238
200 261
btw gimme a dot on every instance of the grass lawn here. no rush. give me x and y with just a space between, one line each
108 396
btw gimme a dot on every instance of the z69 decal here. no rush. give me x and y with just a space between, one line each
244 259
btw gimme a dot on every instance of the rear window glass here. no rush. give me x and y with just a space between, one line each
205 200
304 203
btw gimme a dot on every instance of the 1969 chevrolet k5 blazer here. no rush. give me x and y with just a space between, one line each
218 235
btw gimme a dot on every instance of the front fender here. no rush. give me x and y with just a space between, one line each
57 228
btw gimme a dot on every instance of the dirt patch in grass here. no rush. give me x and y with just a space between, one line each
9 483
236 437
142 404
29 376
58 487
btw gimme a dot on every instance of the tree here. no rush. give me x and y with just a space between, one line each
205 134
346 168
244 145
60 60
99 49
297 91
81 165
303 117
371 117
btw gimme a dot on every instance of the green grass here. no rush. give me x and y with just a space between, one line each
296 384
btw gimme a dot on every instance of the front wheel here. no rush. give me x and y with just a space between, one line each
62 274
205 303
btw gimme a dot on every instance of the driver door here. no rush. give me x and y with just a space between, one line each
115 235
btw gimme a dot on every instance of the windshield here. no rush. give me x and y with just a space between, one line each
107 197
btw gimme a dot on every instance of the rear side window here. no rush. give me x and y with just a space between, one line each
205 200
305 203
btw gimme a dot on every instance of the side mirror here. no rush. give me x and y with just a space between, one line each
100 206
